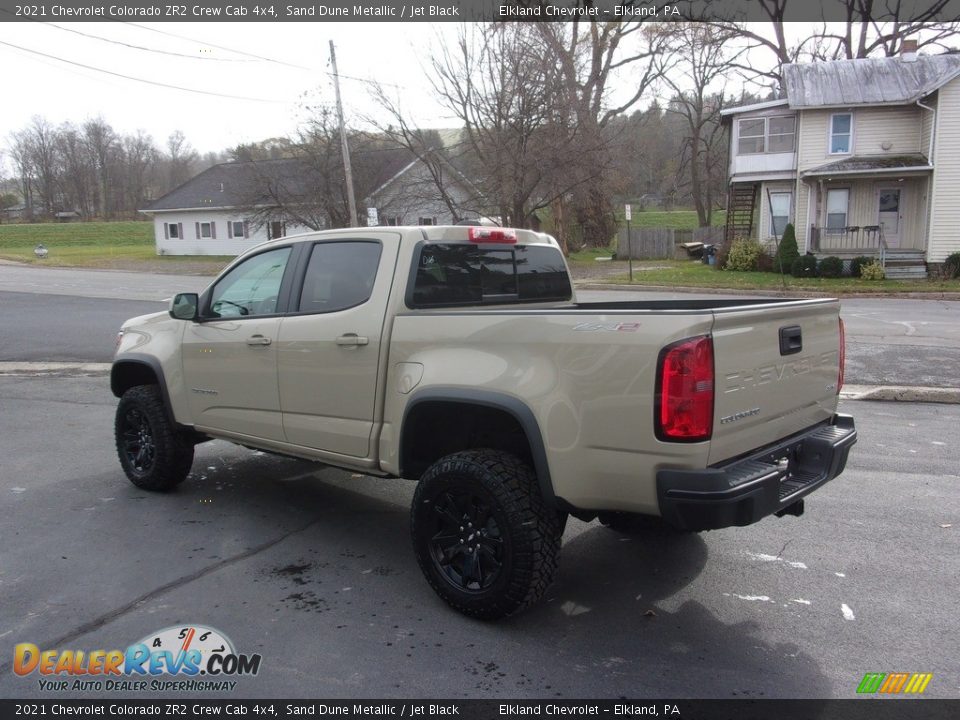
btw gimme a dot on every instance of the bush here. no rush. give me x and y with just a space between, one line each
804 266
857 263
831 267
765 263
787 252
872 271
722 251
743 255
951 266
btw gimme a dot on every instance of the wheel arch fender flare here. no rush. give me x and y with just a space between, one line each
508 404
131 369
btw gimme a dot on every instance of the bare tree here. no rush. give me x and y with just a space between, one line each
180 159
703 59
870 28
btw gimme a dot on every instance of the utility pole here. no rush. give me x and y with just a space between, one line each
347 170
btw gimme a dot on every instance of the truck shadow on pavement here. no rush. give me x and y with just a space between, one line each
321 575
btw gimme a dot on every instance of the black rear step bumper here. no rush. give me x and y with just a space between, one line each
768 481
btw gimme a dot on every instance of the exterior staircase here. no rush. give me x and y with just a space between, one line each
741 203
905 265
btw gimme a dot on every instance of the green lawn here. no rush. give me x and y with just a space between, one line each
672 219
121 244
696 274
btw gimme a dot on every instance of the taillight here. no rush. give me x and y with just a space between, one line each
843 356
480 234
684 407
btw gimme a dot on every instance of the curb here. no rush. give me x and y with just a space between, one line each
53 368
901 393
883 393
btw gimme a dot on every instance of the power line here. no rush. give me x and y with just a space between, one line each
219 47
143 80
141 47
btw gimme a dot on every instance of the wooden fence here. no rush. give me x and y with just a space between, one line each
663 243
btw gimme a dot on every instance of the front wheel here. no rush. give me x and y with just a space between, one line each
153 454
483 536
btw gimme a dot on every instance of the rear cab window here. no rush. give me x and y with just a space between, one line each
450 275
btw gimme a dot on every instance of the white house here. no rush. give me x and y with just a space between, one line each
210 214
861 156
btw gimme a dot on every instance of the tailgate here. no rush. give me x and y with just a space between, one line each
776 370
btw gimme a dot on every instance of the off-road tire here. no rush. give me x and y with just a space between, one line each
153 454
635 524
463 487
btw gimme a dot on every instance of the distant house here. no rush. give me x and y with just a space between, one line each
411 197
861 155
209 213
212 213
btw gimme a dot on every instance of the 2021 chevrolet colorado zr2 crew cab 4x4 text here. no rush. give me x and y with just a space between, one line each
459 357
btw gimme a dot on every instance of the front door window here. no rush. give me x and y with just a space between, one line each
888 215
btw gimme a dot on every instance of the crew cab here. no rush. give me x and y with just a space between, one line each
460 358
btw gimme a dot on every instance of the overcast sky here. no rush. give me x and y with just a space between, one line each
391 53
214 58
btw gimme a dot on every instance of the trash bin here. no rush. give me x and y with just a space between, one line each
709 255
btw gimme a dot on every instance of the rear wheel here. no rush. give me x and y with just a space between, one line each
153 454
483 536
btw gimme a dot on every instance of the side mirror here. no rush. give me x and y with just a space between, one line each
184 306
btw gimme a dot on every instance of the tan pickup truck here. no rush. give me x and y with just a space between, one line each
458 357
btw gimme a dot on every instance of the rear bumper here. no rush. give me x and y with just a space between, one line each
768 481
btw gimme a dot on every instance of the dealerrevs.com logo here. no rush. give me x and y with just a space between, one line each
178 658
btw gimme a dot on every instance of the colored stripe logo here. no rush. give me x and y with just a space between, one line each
895 683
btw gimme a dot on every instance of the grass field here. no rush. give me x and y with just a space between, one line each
122 245
696 274
671 219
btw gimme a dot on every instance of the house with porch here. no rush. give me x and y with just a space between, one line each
862 156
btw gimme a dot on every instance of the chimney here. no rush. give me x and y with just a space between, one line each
908 50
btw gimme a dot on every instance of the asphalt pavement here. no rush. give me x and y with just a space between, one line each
62 312
312 568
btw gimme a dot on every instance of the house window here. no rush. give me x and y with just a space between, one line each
276 229
426 221
779 212
837 203
771 135
173 230
206 230
781 134
841 133
236 229
394 221
752 136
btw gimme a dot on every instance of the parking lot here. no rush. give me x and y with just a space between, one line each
312 568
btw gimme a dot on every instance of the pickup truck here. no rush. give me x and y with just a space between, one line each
459 357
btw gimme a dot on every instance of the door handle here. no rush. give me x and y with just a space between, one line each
258 340
352 340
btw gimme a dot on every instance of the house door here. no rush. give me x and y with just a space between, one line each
889 216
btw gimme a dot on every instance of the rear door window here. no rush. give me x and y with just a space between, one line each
340 275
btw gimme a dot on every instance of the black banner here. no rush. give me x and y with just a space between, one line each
470 10
862 709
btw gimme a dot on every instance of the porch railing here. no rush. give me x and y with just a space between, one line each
863 239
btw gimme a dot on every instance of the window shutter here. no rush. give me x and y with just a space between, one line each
198 230
180 231
229 229
166 232
246 229
213 230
